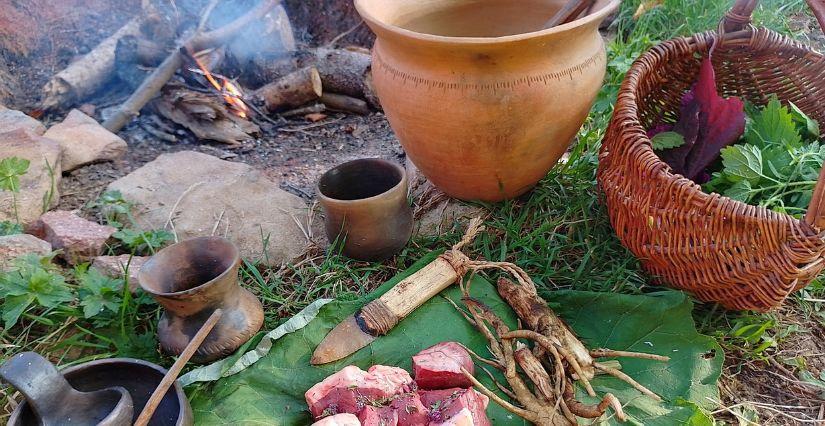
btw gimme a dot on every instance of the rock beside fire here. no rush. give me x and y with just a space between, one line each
84 141
115 267
79 239
39 186
13 120
194 194
14 246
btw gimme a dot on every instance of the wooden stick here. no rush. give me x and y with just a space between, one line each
569 12
345 103
155 81
174 371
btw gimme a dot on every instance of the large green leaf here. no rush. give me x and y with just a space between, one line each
271 391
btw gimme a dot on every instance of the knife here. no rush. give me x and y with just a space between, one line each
378 317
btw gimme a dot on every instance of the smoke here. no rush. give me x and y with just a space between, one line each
271 36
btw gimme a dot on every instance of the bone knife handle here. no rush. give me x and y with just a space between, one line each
416 289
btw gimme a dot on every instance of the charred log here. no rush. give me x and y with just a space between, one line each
88 74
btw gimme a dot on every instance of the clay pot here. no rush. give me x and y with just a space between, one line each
190 280
482 106
139 378
366 207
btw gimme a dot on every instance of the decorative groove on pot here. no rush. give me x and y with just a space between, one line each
597 59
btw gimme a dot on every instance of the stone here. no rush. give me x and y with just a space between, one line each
14 246
193 194
79 239
84 141
13 120
115 267
39 186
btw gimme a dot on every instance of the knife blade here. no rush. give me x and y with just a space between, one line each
358 331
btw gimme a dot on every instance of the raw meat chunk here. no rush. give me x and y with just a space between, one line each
446 404
462 418
378 416
439 367
411 411
350 389
345 419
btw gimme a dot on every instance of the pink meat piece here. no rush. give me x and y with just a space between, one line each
439 367
350 389
411 411
345 419
446 404
378 416
462 418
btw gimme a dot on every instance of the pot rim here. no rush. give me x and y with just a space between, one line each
236 259
183 402
598 16
401 183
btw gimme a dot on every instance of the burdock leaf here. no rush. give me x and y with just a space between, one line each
272 389
667 140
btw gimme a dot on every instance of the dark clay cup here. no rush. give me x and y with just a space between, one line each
138 377
365 206
190 280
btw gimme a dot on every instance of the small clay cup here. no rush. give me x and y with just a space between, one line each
190 280
365 207
139 378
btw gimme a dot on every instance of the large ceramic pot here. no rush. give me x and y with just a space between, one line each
482 107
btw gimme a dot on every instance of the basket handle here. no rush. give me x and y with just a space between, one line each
740 14
736 20
815 215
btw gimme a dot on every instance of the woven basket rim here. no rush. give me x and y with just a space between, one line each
701 43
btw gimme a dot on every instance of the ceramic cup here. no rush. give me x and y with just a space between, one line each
190 280
366 208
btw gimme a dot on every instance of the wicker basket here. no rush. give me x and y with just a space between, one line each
721 250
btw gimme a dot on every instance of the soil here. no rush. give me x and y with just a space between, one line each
295 155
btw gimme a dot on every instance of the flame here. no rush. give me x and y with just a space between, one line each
231 93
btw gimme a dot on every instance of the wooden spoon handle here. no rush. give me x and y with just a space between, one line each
569 12
176 368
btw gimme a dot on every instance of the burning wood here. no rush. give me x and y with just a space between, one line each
155 81
206 116
230 92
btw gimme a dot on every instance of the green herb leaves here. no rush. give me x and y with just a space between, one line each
774 124
10 171
667 140
31 282
777 164
98 293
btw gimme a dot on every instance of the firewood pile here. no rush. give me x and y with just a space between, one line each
221 71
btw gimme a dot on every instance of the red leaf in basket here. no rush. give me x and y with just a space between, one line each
708 123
